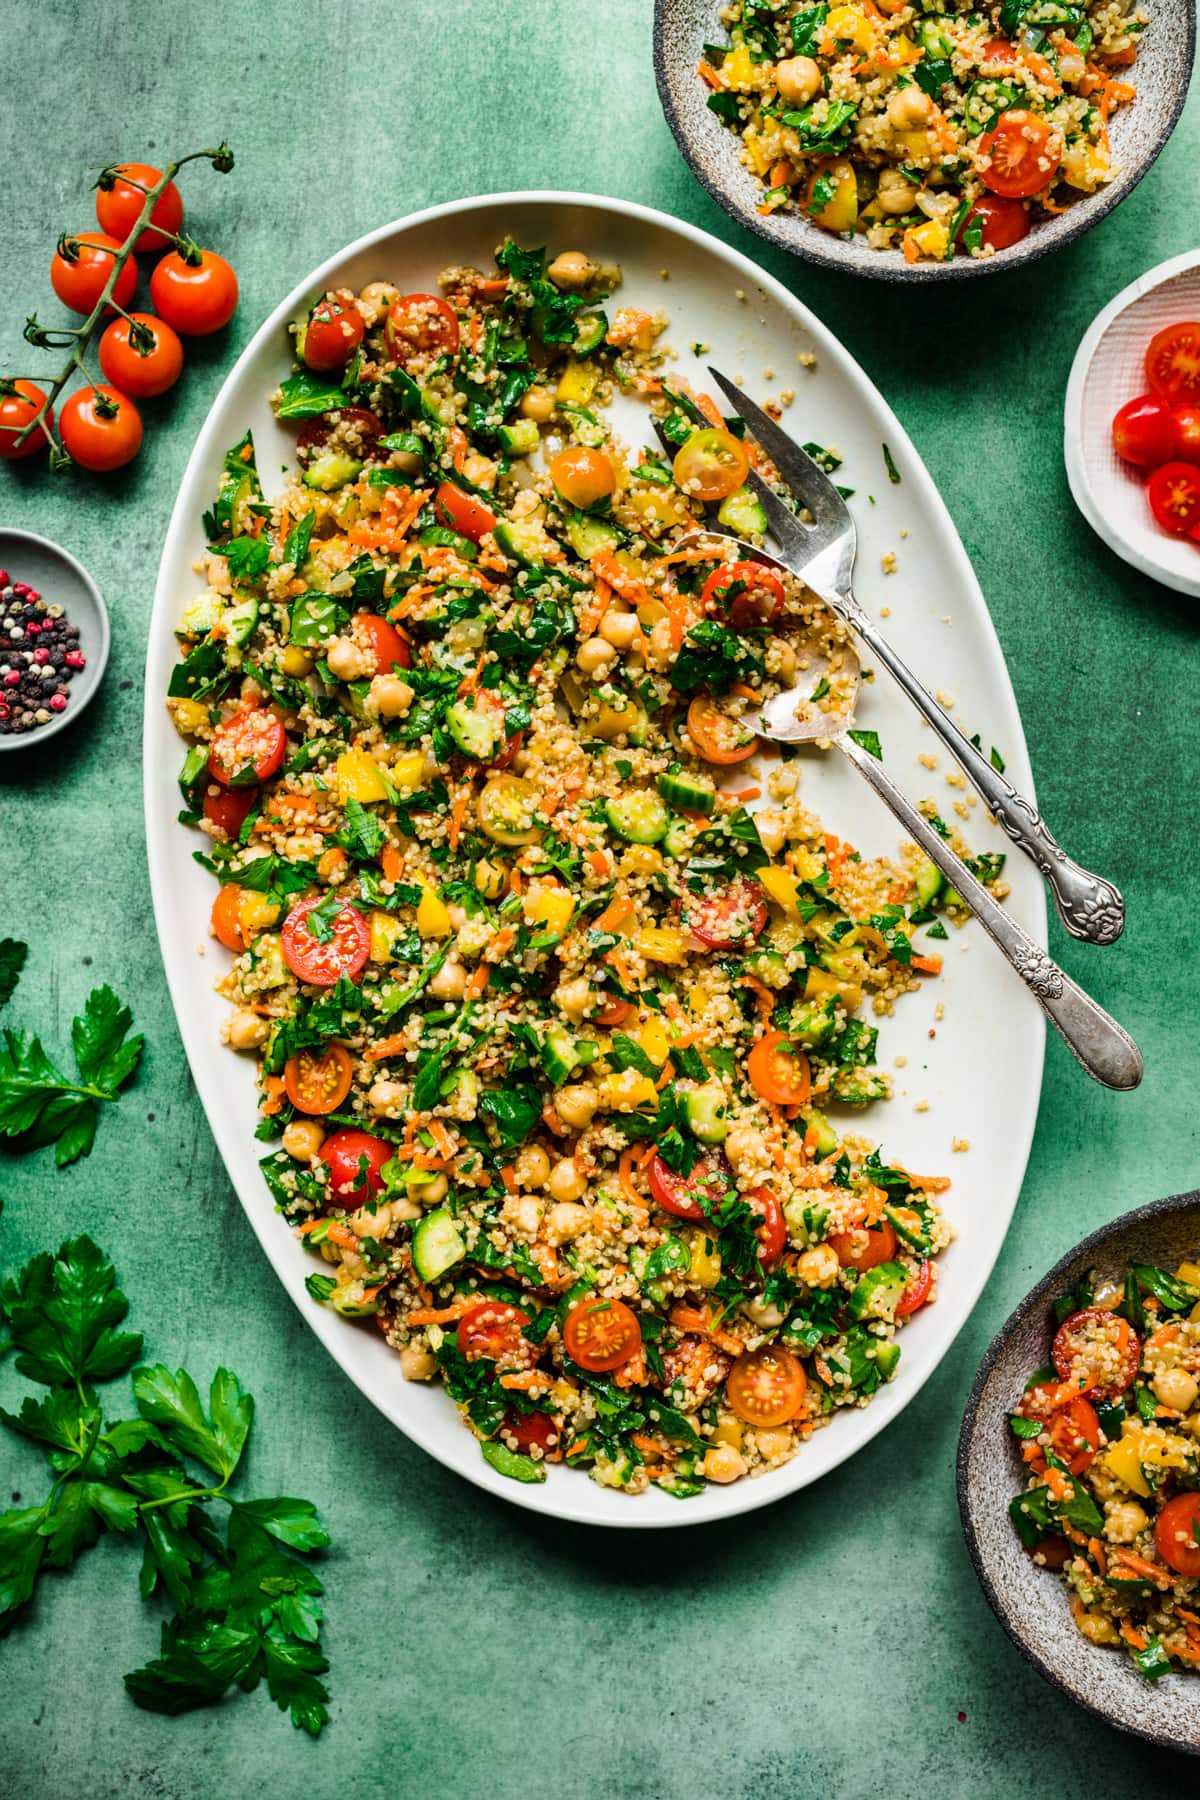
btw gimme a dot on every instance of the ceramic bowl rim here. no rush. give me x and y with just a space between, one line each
97 660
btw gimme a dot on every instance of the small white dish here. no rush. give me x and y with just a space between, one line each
1108 370
61 579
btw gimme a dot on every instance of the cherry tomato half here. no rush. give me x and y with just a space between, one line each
1187 431
1002 222
710 464
321 957
314 434
1145 432
229 808
864 1248
1173 361
100 428
1173 491
730 920
1096 1352
391 650
766 1387
226 918
318 1081
1070 1422
1177 1534
420 325
682 1195
355 1162
119 206
248 748
917 1291
999 50
601 1335
718 737
79 277
16 411
495 1330
334 331
197 297
462 512
743 593
779 1070
613 1013
1022 152
772 1233
145 361
583 477
532 1431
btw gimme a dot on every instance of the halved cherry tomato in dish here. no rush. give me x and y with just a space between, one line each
583 477
730 920
744 593
314 434
79 277
226 918
1002 222
1052 1552
141 355
341 948
197 294
495 1330
766 1387
1070 1421
710 1181
462 512
1022 152
334 331
318 1081
1096 1352
229 808
119 207
512 744
864 1247
355 1162
248 748
532 1431
100 428
601 1335
420 325
1173 361
614 1012
917 1291
779 1070
1186 416
16 412
999 50
391 650
772 1233
718 737
710 464
1176 1534
1145 431
1173 491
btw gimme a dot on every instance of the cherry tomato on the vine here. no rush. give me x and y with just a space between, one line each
119 205
197 294
141 355
16 412
334 331
1145 431
81 266
100 428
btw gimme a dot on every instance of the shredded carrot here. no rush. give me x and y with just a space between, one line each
1132 1636
616 914
606 566
528 1381
442 1315
598 862
928 965
707 73
441 1164
458 813
1096 1552
615 961
342 1236
1139 1566
910 247
392 862
689 1318
388 1046
442 1138
551 1120
274 1089
746 793
1042 70
764 999
478 982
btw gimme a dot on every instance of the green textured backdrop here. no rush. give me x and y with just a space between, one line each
835 1644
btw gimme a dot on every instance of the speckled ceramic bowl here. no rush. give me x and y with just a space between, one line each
1031 1603
681 28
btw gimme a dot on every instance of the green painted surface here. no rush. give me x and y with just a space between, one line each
827 1645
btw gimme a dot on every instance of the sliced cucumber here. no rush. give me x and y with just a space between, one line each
813 1023
200 617
240 621
560 1057
588 537
678 837
901 1224
826 1138
477 734
437 1245
742 514
521 438
929 883
689 792
450 540
523 543
641 817
194 765
887 1359
704 1109
876 1293
858 1087
590 331
332 470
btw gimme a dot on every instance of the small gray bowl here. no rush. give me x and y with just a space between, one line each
61 579
1139 131
1031 1603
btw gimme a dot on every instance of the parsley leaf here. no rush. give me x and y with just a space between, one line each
12 961
40 1105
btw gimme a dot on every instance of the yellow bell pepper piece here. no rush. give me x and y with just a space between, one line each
577 383
256 912
188 716
705 1268
661 944
932 238
359 777
781 887
408 771
832 199
626 1090
1189 1272
846 25
385 929
1147 1445
654 1041
738 70
433 920
549 905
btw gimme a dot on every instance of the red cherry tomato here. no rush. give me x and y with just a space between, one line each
16 412
917 1291
1069 1420
682 1195
196 297
1022 153
340 948
999 50
229 808
79 277
420 325
731 920
355 1162
766 1387
1003 222
317 1081
495 1330
247 748
601 1335
100 428
613 1013
1173 361
772 1233
1187 431
334 331
779 1070
1145 431
532 1431
391 650
583 477
744 593
864 1248
314 434
1177 1534
1095 1351
141 362
1173 491
119 206
511 745
463 512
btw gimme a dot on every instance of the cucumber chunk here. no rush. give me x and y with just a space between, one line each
640 817
826 1137
875 1295
560 1056
678 788
437 1244
929 883
521 438
332 470
705 1111
587 537
858 1087
200 617
678 838
590 329
240 621
477 734
523 543
741 513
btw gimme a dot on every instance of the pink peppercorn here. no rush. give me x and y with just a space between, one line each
75 659
41 656
58 702
13 678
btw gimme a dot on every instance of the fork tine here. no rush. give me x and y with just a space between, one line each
809 483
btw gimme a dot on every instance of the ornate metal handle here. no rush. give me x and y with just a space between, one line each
1104 1048
1090 907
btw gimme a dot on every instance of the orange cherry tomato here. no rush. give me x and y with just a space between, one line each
779 1070
999 50
495 1330
864 1248
1096 1352
119 205
100 428
711 464
229 808
249 747
420 325
318 1081
718 738
601 1335
1173 361
729 920
141 355
583 477
226 918
917 1292
766 1387
16 412
772 1233
391 650
1070 1422
1177 1534
745 593
196 294
79 276
334 331
322 956
1022 154
462 512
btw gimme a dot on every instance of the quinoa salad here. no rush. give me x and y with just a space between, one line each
563 1049
1110 1435
940 132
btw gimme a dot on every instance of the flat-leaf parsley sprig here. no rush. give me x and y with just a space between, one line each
247 1607
39 1105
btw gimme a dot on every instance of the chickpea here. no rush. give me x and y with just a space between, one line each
217 573
449 982
895 193
417 1365
745 1144
490 879
662 650
573 997
247 1031
296 661
724 1464
1176 1389
595 656
619 628
388 695
346 660
1097 1627
772 1444
764 1313
1124 1519
571 269
798 79
908 108
565 1220
566 1183
431 1190
302 1139
375 299
365 1223
388 1098
404 1209
525 1215
576 1105
537 403
772 831
819 1266
532 1167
